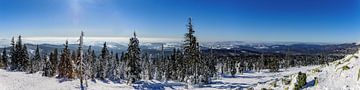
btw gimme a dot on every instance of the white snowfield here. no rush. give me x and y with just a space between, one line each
23 81
331 77
337 77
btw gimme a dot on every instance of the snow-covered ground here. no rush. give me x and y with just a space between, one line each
23 81
336 76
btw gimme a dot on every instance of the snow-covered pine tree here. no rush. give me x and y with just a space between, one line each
24 57
13 55
181 63
110 66
54 61
18 50
47 67
103 60
133 69
36 61
147 67
192 53
88 64
212 63
173 65
117 72
66 65
94 65
81 62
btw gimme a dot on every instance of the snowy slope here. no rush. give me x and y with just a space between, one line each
23 81
342 74
335 77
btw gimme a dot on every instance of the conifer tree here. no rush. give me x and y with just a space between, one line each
94 65
36 61
47 67
66 65
13 55
192 53
103 60
24 58
88 61
54 61
117 68
133 69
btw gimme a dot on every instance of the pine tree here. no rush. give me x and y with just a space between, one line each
110 66
88 64
54 61
103 60
192 53
13 55
117 68
36 61
18 50
66 65
47 67
24 57
94 65
133 69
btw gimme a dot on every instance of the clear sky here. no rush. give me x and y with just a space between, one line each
214 20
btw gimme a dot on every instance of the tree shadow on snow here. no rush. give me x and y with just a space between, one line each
141 85
240 76
63 80
226 85
310 84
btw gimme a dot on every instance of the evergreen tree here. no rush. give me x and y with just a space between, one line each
13 55
103 60
192 53
94 65
54 61
133 69
117 68
66 65
36 61
47 68
24 57
19 66
88 71
110 66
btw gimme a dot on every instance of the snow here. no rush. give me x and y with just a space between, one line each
329 77
23 81
335 78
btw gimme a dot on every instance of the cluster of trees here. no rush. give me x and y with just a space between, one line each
239 63
187 64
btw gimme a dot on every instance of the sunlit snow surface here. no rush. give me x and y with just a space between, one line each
23 81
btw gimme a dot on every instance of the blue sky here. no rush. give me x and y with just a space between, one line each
214 20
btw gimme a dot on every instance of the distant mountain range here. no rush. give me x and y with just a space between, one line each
118 46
